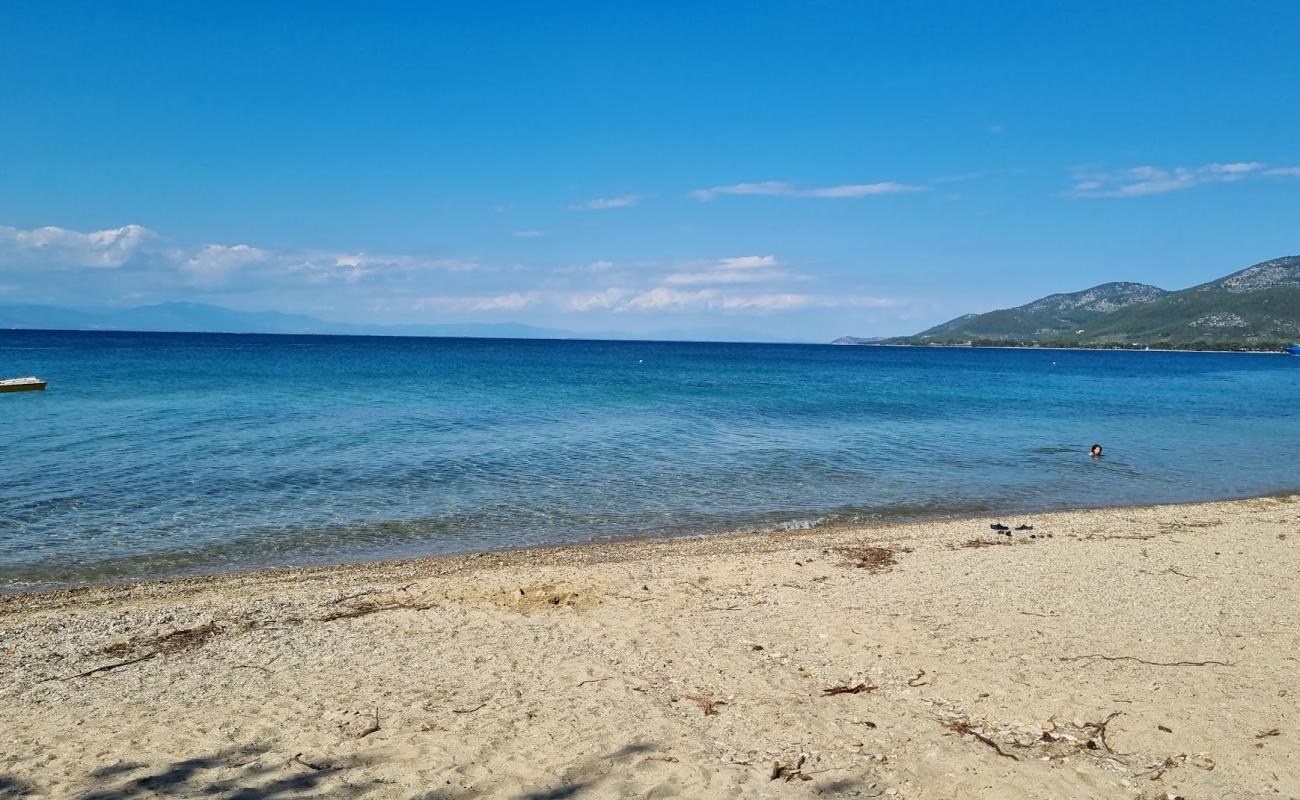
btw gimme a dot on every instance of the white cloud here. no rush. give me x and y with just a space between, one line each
745 262
1148 180
767 302
589 301
505 302
665 298
782 189
1287 172
214 263
742 269
604 203
60 247
718 277
528 233
512 301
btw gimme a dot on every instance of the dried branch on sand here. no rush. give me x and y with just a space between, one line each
860 688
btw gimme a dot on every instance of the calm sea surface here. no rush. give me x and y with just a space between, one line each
167 454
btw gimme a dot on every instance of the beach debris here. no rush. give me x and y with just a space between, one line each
1099 729
173 642
596 680
298 759
789 773
469 710
872 558
1024 527
165 644
1174 571
1268 733
1099 656
1163 728
105 668
374 607
858 689
706 703
352 596
975 544
963 728
998 526
372 728
1202 761
915 682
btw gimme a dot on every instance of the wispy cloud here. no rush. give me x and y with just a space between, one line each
783 189
664 298
154 263
527 233
603 203
136 265
1148 180
742 269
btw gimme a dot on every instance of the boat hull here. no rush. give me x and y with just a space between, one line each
38 386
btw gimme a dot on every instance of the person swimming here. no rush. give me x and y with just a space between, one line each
1096 451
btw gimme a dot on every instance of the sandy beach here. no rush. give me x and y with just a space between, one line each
1119 653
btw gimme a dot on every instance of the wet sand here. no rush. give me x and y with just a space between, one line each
1118 653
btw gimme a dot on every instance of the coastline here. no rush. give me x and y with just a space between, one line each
604 547
592 669
1070 349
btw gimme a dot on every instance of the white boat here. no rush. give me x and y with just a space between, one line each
29 384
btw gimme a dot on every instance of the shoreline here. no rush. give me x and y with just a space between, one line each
1070 349
1132 652
382 564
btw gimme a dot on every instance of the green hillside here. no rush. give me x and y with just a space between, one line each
1256 306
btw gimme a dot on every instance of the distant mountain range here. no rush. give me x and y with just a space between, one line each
1257 306
204 318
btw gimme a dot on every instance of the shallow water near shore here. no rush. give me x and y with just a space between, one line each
154 455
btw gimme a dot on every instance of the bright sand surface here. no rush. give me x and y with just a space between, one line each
1118 653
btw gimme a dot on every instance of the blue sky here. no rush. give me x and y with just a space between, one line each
802 170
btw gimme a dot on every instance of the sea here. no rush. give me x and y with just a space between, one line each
158 455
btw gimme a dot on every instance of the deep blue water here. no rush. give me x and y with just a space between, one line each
165 454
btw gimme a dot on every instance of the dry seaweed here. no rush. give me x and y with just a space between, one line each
858 689
706 703
975 544
872 558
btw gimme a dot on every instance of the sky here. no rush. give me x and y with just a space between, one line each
792 170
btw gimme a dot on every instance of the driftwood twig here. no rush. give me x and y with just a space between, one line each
959 727
298 759
468 710
858 689
1151 663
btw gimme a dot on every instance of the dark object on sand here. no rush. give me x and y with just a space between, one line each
998 526
1024 527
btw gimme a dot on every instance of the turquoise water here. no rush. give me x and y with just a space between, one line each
167 454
